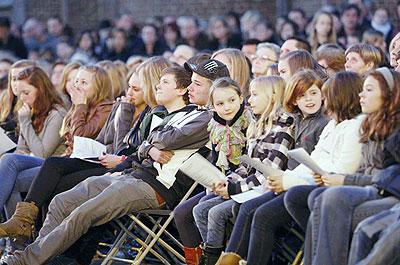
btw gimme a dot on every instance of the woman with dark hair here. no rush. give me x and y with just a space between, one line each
221 36
150 44
171 35
85 50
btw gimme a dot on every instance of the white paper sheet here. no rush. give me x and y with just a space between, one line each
87 148
167 172
249 195
260 166
6 144
201 170
301 156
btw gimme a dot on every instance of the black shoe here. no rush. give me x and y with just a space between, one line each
210 255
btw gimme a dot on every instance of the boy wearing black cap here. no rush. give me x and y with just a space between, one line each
203 75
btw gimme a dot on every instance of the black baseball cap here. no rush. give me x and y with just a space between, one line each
211 69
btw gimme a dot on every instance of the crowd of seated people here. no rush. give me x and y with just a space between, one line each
155 96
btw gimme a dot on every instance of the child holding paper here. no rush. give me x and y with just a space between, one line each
338 148
379 99
269 138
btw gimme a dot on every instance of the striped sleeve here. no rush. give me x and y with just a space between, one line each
272 151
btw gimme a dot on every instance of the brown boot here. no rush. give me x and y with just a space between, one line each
22 221
192 255
229 258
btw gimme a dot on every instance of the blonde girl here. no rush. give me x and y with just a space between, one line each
91 99
237 65
269 138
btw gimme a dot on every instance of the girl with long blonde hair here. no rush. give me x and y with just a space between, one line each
269 137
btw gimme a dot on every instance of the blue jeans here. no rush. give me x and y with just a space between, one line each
184 220
16 168
211 218
331 223
376 240
239 240
296 199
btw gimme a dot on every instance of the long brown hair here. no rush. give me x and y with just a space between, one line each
46 96
380 124
8 99
298 84
331 38
341 95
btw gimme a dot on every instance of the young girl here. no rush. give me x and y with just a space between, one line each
269 138
379 99
91 106
303 98
337 150
228 138
40 120
9 100
229 124
322 30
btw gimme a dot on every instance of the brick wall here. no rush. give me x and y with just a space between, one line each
83 14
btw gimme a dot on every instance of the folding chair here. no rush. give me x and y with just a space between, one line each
148 245
289 247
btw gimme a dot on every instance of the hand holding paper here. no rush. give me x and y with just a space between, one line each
87 148
260 166
301 156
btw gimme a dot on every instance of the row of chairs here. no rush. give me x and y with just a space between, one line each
146 232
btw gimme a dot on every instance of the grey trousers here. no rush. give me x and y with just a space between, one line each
95 201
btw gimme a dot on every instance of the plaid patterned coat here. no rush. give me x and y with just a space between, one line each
271 148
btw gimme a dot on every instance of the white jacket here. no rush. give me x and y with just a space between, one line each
338 150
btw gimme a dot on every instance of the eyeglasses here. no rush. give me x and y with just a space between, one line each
262 57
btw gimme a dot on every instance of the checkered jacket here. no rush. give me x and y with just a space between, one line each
271 149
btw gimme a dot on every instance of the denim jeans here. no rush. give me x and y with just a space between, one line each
184 220
296 199
268 218
331 223
211 218
376 239
16 168
239 240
